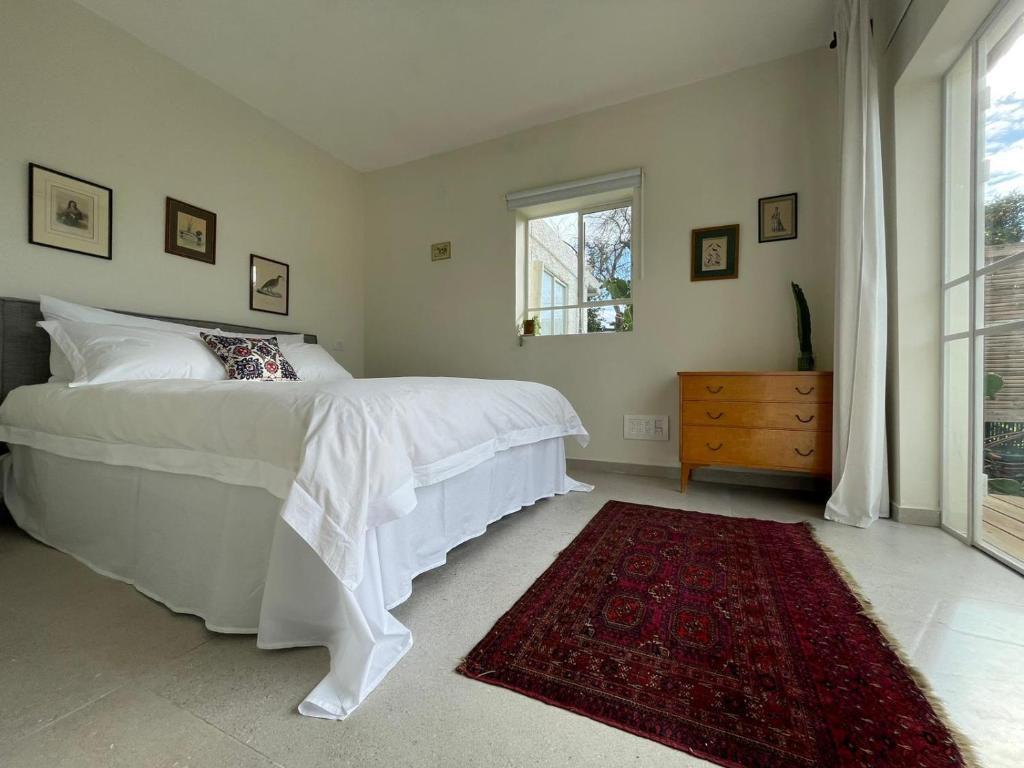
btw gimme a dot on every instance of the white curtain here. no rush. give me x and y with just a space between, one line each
860 474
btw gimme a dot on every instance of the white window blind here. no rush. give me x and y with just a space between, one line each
620 181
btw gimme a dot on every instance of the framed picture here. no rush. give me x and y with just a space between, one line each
715 253
441 251
776 218
69 213
268 285
190 232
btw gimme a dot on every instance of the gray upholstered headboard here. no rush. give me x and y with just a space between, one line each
25 349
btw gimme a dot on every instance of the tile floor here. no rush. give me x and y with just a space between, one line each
92 673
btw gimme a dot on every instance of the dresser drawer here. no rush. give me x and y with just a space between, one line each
792 388
774 448
730 413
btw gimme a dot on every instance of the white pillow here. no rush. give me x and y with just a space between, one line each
314 363
60 368
283 339
102 353
65 311
59 310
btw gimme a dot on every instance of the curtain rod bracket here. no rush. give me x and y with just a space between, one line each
835 40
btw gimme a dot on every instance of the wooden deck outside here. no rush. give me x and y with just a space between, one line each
1003 523
1002 516
1004 353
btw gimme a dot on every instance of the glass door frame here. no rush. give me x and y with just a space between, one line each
976 330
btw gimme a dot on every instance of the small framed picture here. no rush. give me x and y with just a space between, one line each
715 253
268 285
776 218
69 213
441 251
190 232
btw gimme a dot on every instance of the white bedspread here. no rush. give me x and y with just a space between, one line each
344 456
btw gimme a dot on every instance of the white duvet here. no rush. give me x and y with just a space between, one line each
345 456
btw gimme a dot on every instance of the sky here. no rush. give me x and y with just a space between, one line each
1004 124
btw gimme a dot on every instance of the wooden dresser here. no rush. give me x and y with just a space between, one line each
767 420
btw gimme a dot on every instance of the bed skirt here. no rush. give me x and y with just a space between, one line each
222 552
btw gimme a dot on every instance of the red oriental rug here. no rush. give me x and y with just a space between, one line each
734 640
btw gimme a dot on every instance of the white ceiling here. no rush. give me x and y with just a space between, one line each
380 82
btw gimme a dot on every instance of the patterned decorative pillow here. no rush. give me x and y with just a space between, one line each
251 359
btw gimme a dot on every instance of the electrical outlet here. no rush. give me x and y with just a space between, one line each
644 427
660 428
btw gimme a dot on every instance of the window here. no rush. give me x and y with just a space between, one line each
581 290
578 254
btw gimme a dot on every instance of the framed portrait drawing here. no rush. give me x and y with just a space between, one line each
715 253
269 285
69 213
190 232
776 218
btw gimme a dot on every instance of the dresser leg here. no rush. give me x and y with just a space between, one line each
684 477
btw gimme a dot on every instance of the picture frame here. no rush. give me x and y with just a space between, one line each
269 285
70 213
715 253
777 218
190 231
441 251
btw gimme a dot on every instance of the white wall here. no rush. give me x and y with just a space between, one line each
709 151
81 96
887 16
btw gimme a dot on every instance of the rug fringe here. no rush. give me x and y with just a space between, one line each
963 742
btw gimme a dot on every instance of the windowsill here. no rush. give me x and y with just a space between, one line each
599 334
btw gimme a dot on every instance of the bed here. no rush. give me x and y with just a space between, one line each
298 511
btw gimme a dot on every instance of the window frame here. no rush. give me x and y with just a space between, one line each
977 328
627 201
550 311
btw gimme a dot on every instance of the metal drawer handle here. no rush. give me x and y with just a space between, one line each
716 418
802 392
805 455
714 391
716 448
802 420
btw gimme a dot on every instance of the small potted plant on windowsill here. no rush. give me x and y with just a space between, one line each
529 327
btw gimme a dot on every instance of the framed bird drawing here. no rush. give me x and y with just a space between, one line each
190 231
269 284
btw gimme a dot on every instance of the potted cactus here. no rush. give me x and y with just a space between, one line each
803 328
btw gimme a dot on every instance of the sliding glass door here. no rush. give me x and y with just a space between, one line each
983 291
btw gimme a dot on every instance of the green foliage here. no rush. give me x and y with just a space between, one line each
623 319
1004 219
993 383
619 289
1006 486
